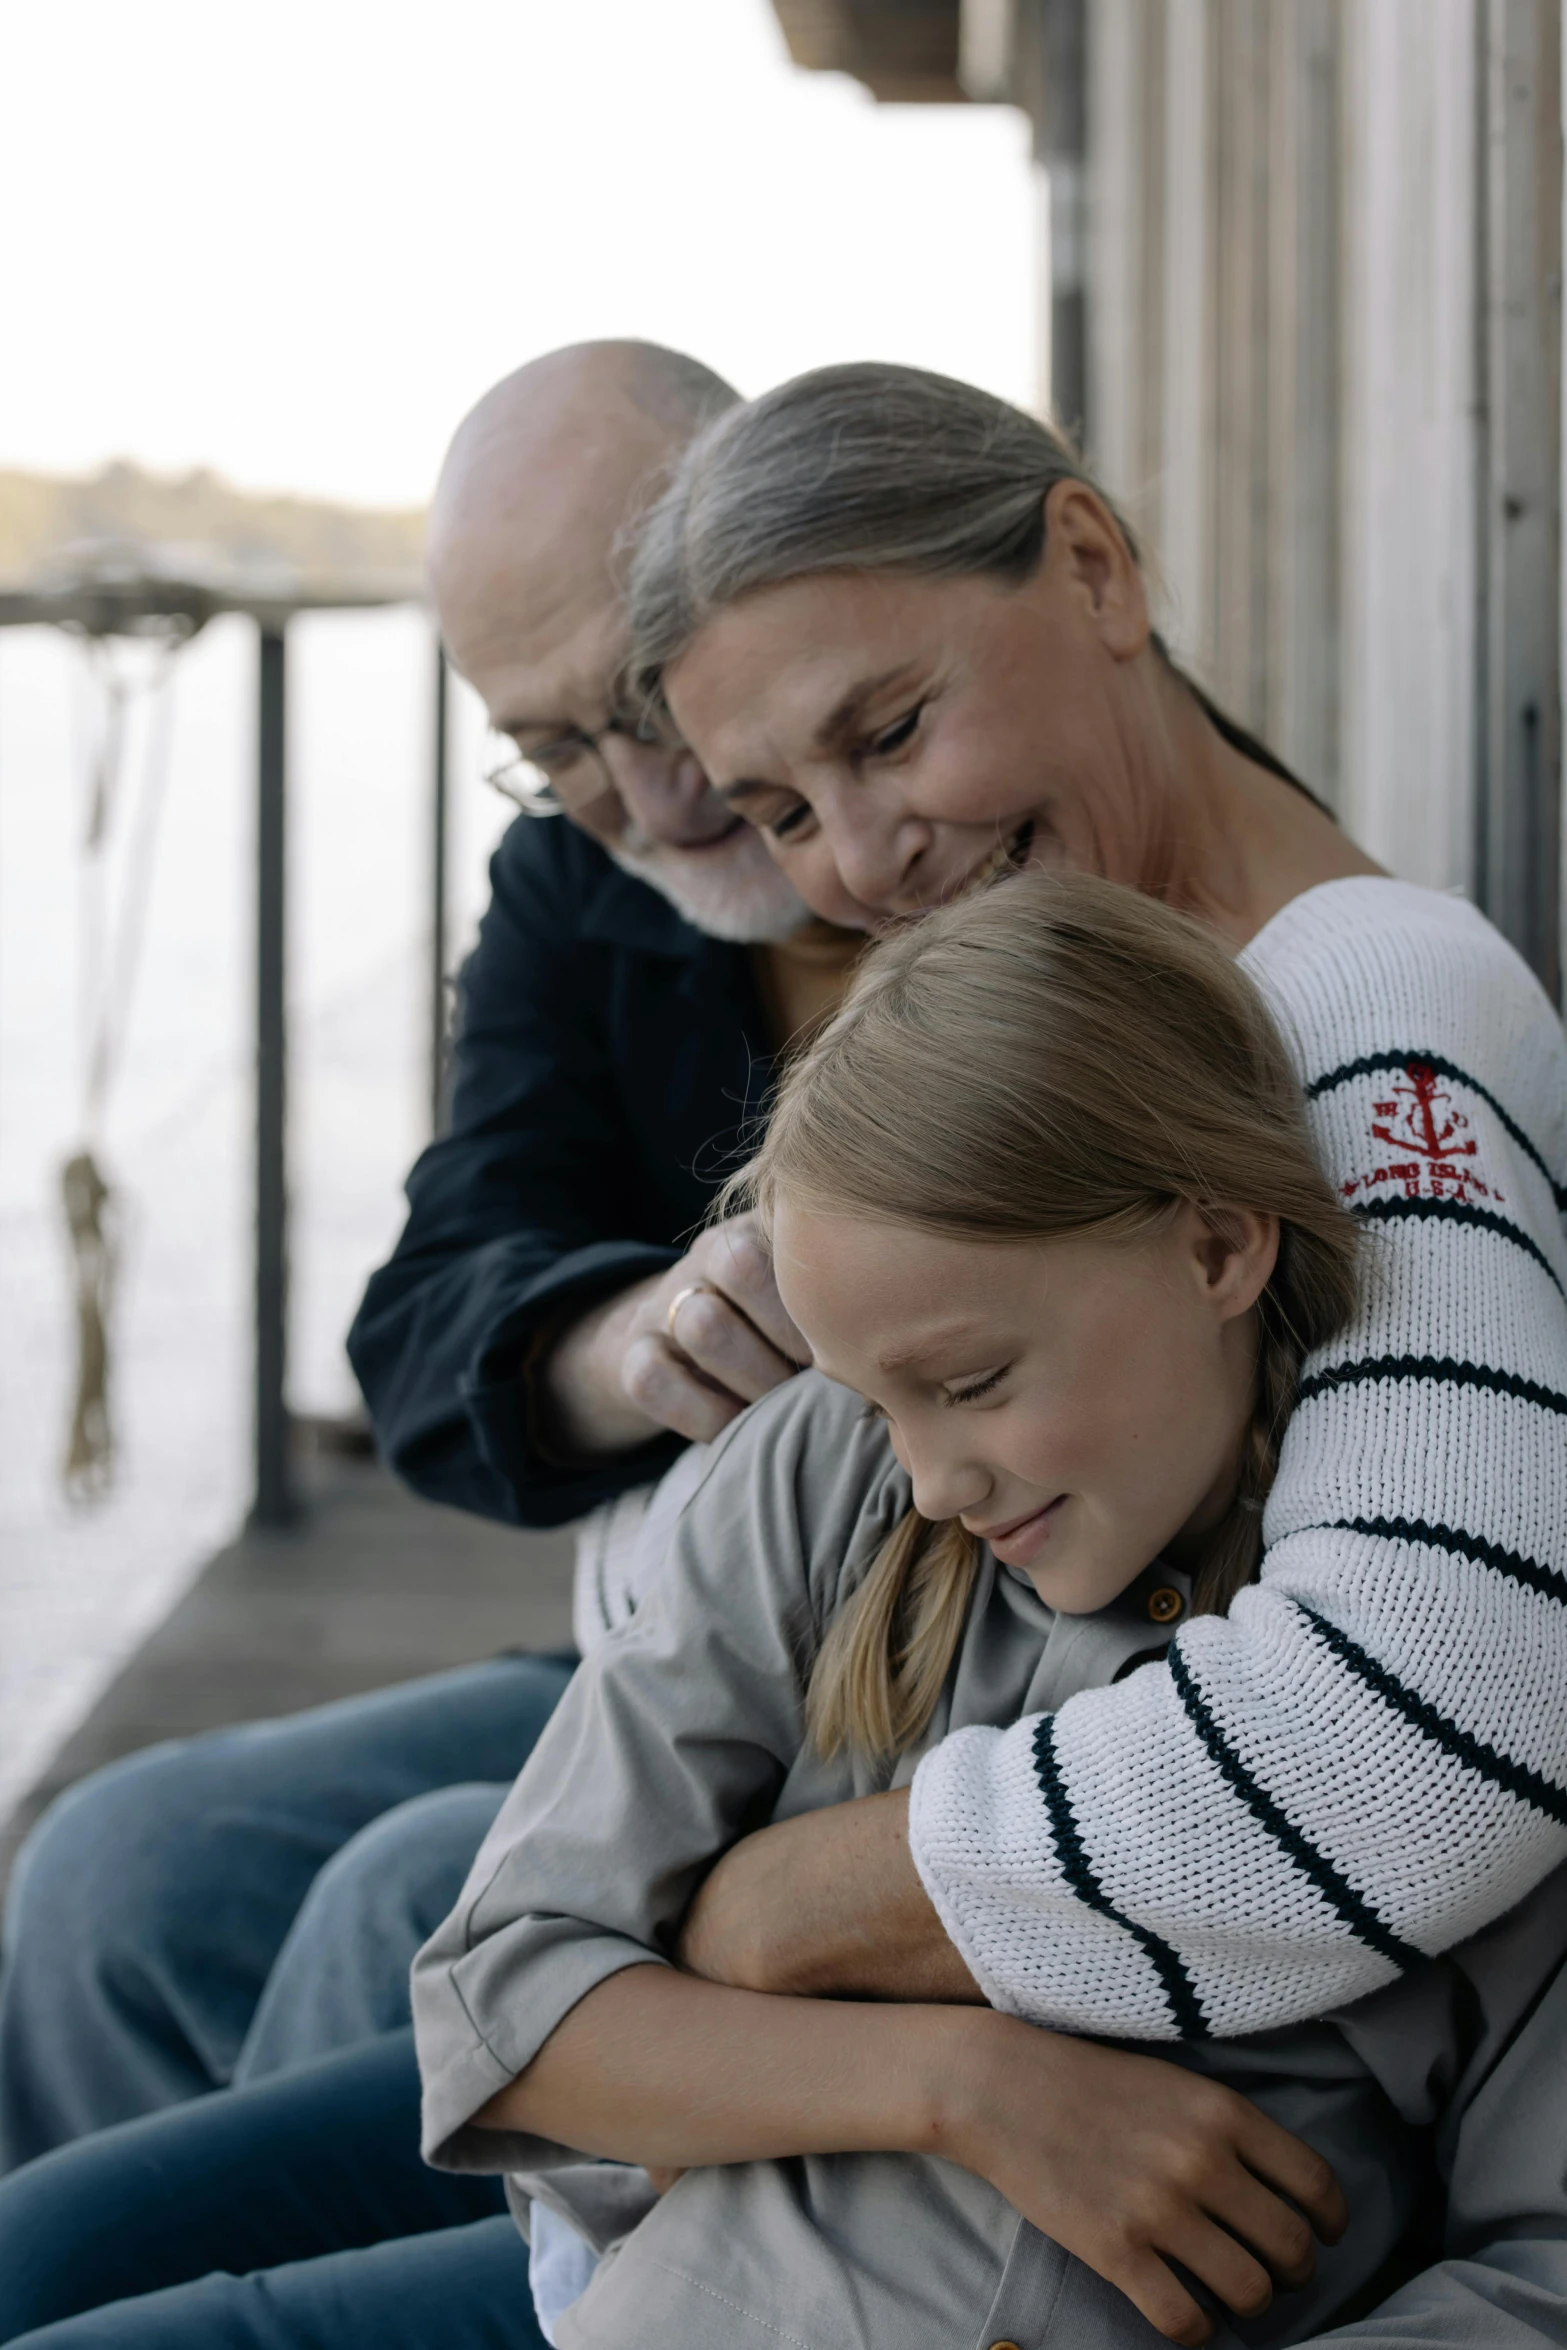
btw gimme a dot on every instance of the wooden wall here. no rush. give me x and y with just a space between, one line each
1324 248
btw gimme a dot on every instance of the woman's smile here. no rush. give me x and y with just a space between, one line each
1008 856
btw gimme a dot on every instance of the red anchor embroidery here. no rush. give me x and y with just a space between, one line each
1425 1119
1431 1137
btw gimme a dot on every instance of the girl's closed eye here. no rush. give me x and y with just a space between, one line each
969 1392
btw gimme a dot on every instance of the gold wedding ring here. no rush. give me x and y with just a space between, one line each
693 1289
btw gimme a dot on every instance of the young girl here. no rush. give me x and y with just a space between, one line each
1043 1197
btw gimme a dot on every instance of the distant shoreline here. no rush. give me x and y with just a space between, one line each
43 516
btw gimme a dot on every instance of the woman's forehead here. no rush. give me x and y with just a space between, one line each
798 661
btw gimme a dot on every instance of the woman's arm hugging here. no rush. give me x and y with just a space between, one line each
827 1904
1366 1761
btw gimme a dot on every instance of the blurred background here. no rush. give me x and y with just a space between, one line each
1290 267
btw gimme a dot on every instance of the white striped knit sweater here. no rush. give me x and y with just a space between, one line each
1366 1761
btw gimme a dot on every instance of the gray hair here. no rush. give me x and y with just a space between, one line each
865 467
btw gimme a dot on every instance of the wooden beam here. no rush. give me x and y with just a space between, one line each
904 51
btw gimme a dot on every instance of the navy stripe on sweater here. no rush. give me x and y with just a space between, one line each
1377 1064
1516 1777
1330 1881
1457 1211
1460 1543
1175 1982
1435 1370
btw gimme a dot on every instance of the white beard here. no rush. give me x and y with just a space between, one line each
735 892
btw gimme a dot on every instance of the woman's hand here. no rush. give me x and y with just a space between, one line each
1132 2162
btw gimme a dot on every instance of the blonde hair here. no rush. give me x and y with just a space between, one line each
1054 1055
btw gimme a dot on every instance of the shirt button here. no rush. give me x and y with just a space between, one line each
1164 1605
1003 2346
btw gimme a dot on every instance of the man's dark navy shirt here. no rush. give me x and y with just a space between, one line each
609 1064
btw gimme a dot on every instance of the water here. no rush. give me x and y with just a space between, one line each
79 1587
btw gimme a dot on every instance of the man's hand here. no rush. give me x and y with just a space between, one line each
686 1350
827 1905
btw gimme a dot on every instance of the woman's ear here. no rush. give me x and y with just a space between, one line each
1236 1250
1086 547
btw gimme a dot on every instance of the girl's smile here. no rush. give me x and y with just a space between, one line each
1019 1544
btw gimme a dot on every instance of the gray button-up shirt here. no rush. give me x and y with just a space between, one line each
684 1731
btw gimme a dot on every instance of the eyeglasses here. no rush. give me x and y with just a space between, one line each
560 777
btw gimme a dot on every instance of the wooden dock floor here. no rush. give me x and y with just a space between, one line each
371 1587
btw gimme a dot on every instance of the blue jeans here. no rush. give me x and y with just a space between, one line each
291 2215
210 1911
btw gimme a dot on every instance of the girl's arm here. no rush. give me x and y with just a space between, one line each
672 1738
1126 2161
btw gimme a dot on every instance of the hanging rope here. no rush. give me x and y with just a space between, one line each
95 1260
109 955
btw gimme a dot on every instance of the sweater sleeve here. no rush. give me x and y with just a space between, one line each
1365 1761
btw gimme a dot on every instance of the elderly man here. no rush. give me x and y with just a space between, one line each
518 1356
540 1345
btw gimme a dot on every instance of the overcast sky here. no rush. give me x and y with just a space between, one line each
294 241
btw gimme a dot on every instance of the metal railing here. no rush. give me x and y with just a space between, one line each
121 600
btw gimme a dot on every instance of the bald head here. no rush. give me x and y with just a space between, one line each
538 486
541 478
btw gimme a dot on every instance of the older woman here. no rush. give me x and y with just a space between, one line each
911 641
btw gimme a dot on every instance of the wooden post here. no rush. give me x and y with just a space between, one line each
1061 140
274 1504
1519 326
438 923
